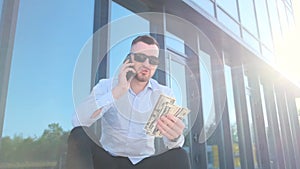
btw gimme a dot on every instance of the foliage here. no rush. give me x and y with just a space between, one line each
46 148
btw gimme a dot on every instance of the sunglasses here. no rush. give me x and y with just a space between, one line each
140 57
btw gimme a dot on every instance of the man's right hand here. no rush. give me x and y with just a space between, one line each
123 84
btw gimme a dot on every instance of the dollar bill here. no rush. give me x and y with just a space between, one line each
165 105
159 110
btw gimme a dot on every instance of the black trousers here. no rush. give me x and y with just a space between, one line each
84 152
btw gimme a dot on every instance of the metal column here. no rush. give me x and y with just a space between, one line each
8 23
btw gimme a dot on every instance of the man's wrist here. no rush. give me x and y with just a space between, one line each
176 139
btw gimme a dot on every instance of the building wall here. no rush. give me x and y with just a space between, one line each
218 54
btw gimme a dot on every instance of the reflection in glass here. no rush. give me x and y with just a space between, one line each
283 17
228 22
263 23
208 108
39 101
174 43
230 7
251 122
250 40
178 83
269 131
232 118
275 24
291 21
268 55
206 5
177 79
247 16
208 104
119 51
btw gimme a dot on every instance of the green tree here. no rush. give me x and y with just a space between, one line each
46 148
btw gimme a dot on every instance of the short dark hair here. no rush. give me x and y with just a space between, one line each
146 39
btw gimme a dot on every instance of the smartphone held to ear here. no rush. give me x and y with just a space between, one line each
129 74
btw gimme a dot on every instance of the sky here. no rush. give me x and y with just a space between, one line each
49 37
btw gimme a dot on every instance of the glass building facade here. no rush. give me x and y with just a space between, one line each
217 55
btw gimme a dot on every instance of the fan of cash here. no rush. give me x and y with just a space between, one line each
165 105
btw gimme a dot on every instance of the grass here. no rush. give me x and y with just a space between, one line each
28 165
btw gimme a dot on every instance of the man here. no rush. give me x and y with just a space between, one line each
124 105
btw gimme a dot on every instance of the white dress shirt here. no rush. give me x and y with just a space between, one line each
123 120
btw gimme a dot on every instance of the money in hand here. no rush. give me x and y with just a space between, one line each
165 105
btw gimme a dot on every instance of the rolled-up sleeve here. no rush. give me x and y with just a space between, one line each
174 144
100 98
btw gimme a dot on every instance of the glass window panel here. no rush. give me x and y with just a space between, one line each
208 108
290 19
282 16
208 104
269 132
228 22
230 7
250 40
251 122
275 24
40 102
119 51
178 83
263 23
179 86
268 55
247 16
232 118
206 5
177 80
174 43
263 102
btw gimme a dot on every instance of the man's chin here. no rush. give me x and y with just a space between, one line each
142 78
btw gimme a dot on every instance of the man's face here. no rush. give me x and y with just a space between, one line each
145 70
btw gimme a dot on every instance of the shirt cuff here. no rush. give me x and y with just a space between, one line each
174 144
103 100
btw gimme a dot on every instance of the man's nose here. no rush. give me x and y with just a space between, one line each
146 62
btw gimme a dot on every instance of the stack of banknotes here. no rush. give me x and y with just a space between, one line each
165 105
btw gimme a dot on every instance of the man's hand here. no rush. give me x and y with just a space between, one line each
123 83
170 126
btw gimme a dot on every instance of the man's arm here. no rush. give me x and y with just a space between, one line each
101 98
95 105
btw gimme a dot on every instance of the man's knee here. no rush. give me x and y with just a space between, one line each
179 158
178 153
78 134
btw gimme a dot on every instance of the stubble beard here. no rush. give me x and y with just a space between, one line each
142 78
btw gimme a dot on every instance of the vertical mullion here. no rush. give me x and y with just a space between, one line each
293 116
100 62
258 119
245 144
285 127
8 22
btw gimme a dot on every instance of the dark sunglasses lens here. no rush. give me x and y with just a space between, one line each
139 57
153 60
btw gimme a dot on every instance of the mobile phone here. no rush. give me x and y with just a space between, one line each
129 74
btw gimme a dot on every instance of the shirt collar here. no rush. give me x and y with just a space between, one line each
150 85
